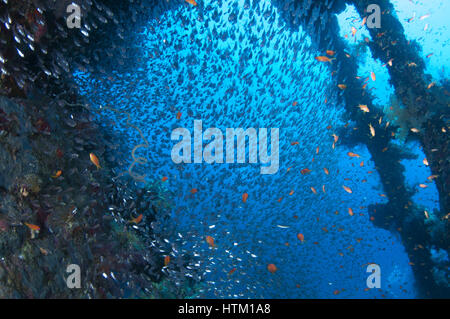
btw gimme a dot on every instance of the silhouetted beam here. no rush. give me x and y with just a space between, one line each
411 86
397 214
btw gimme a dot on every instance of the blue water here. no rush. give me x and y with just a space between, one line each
248 74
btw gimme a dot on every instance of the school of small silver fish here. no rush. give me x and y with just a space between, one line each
304 232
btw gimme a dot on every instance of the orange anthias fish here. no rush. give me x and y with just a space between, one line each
178 115
272 268
330 52
354 30
305 171
372 75
350 211
165 178
57 174
364 21
294 143
94 160
295 103
244 197
166 260
336 138
347 189
136 220
313 190
194 190
372 130
191 2
232 271
364 108
326 171
292 192
210 241
323 58
352 154
33 227
301 237
342 86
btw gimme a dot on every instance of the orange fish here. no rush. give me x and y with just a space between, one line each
191 2
244 197
210 241
178 115
361 164
57 174
193 191
423 186
301 237
326 170
330 52
313 190
372 130
232 271
305 171
272 268
352 154
323 188
354 31
336 138
342 86
350 212
166 260
372 75
292 192
136 220
165 178
317 150
425 162
295 103
323 58
94 160
364 108
347 189
294 143
364 21
33 227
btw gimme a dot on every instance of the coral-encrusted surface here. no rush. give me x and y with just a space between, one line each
47 180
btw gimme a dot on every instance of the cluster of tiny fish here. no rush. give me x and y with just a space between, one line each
303 232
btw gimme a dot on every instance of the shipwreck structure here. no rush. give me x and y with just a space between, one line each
37 53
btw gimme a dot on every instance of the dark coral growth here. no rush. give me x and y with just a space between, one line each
83 214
